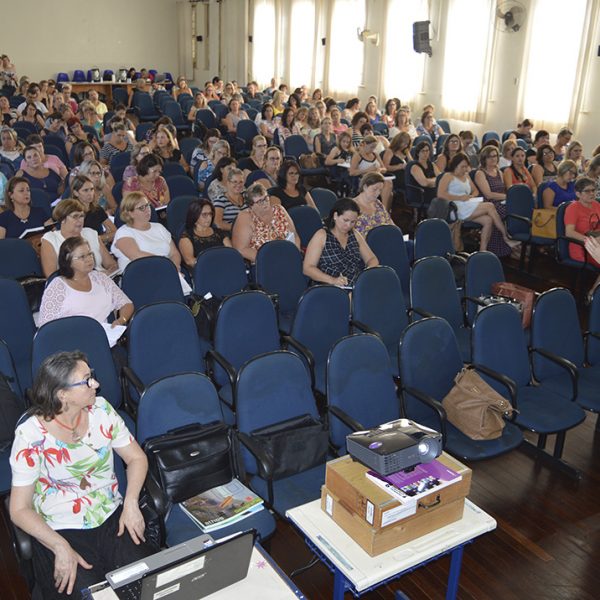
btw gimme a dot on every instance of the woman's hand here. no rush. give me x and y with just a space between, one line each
340 280
65 567
132 520
592 245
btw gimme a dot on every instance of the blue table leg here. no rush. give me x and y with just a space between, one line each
454 575
339 585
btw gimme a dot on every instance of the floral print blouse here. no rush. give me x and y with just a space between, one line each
365 223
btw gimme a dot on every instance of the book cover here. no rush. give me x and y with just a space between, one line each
222 505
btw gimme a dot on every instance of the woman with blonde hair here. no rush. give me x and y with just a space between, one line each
256 160
574 152
562 189
166 146
94 170
372 212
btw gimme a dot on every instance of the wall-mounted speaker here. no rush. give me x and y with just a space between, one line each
421 37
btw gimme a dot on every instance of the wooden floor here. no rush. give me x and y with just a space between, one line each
547 545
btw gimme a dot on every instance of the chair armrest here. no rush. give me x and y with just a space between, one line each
213 355
157 496
432 403
22 541
561 362
364 328
508 383
518 218
288 340
571 240
417 189
419 311
345 418
459 256
586 340
130 375
465 299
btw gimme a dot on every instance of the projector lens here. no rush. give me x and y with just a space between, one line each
423 448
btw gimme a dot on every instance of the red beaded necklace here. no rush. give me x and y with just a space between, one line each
73 430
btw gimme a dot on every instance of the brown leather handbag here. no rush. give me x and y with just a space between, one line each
518 293
475 408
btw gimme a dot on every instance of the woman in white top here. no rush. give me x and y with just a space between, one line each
70 215
80 290
456 186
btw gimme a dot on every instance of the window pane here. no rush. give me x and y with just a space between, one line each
551 70
469 28
346 52
403 74
302 43
263 42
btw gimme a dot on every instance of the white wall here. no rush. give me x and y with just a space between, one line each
43 38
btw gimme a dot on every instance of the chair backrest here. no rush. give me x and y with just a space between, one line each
9 370
279 271
593 343
163 340
187 146
141 130
172 169
381 129
173 111
17 328
176 213
429 362
539 202
307 222
481 271
358 369
295 145
387 242
181 185
555 327
439 145
519 201
87 335
57 151
324 199
207 117
143 102
247 130
498 342
378 302
117 191
18 259
181 399
444 125
151 279
433 238
271 388
490 135
220 110
246 326
220 271
54 140
433 289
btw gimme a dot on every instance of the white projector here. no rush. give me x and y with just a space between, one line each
395 446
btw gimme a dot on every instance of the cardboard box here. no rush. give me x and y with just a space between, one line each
346 480
376 541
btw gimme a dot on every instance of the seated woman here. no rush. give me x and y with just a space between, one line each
92 119
372 210
372 112
402 124
563 138
78 134
336 124
574 152
18 214
351 109
389 113
8 115
140 237
260 223
325 141
94 98
200 103
272 164
83 189
342 153
506 153
544 168
70 215
301 123
32 115
256 160
289 191
235 114
165 146
119 142
429 127
39 176
81 290
199 232
424 172
456 186
366 160
83 151
278 103
582 217
103 183
397 156
287 125
266 121
140 150
488 180
358 120
517 172
313 127
337 254
149 181
216 188
182 88
64 487
202 151
452 146
220 149
229 205
523 131
593 172
562 189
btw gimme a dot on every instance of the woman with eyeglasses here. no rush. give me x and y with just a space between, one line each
562 189
289 192
103 182
260 223
229 205
256 160
70 215
149 181
544 168
83 189
81 290
199 233
452 146
220 149
64 487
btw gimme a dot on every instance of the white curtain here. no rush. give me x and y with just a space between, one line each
469 36
553 61
302 43
403 67
346 51
263 42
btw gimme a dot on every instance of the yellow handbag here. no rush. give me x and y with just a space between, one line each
543 223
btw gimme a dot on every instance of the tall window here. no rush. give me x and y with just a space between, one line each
469 30
551 71
263 42
346 51
302 26
403 70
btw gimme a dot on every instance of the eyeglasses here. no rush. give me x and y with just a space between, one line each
95 173
89 381
262 201
142 207
547 152
206 213
84 256
589 191
77 216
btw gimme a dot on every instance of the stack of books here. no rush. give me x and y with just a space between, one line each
222 506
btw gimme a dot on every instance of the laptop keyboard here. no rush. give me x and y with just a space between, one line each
131 591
